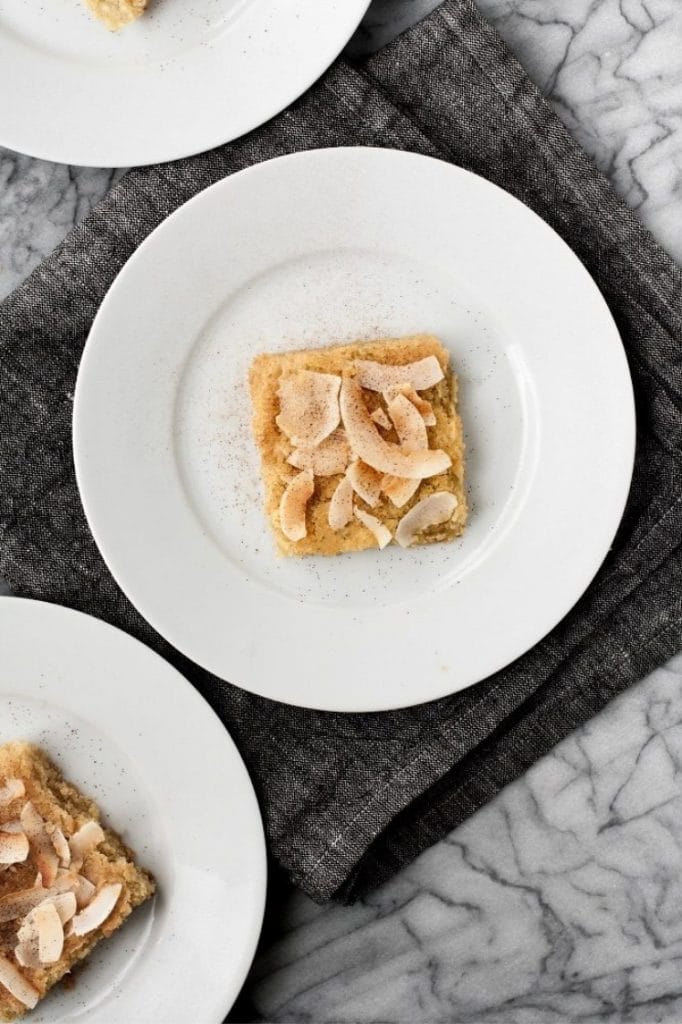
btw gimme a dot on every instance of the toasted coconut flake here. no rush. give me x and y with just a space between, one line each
366 482
367 443
50 933
71 881
292 506
409 424
13 826
381 419
341 505
381 532
398 490
13 847
424 407
33 823
61 847
430 511
27 953
422 374
97 911
44 854
66 905
309 407
12 790
328 459
87 838
411 430
43 927
13 980
83 890
20 903
8 937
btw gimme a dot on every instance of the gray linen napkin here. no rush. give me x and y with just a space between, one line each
348 799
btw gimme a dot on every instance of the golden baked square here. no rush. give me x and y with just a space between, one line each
66 882
361 445
117 13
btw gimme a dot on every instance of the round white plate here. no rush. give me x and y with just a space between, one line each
325 247
130 731
187 76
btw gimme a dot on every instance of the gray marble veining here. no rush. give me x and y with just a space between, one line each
39 204
613 71
41 201
611 68
561 901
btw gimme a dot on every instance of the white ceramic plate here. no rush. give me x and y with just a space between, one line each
324 247
133 733
188 76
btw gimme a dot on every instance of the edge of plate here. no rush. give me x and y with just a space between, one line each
58 609
628 396
167 154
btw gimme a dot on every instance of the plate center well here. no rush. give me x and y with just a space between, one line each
334 297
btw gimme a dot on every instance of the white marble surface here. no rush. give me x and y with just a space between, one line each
612 68
561 901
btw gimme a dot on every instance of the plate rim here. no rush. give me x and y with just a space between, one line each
628 422
28 606
122 155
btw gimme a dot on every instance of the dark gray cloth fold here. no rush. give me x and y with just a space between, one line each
349 799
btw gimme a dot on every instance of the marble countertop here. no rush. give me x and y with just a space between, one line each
612 69
561 901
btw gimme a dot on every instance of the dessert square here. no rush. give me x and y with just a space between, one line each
66 882
361 445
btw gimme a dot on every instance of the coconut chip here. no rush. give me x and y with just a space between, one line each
12 789
292 506
381 419
398 490
368 444
13 980
14 847
424 407
309 407
83 889
41 936
43 851
422 374
409 424
411 430
13 826
97 910
381 532
366 482
85 840
26 952
341 505
61 846
433 510
65 904
328 459
70 881
17 904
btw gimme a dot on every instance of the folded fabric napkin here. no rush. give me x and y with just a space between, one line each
349 798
